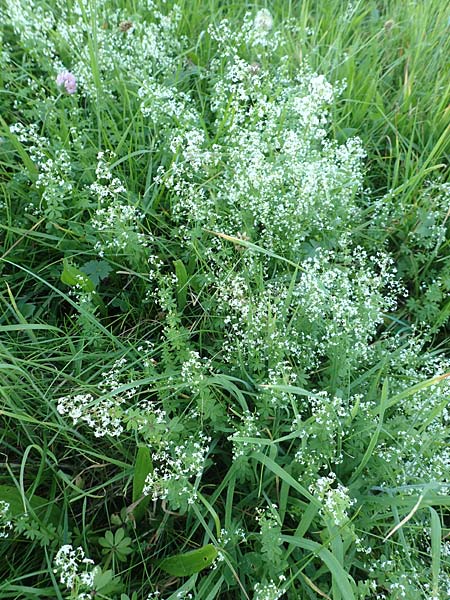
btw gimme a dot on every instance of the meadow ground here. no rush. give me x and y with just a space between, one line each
224 299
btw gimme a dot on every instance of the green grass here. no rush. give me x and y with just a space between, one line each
266 359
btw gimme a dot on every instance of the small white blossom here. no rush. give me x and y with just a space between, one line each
74 568
263 20
6 524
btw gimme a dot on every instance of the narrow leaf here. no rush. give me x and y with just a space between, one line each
182 286
285 476
143 467
342 578
374 439
436 535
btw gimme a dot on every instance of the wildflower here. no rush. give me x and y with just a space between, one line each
5 519
67 79
263 20
175 463
336 501
268 591
74 567
244 438
194 371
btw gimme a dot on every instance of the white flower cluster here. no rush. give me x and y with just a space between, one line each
433 217
335 499
76 571
184 595
6 524
231 539
279 184
331 313
146 419
416 449
105 414
161 104
268 591
406 582
34 25
54 179
272 178
195 370
244 437
175 464
116 221
127 47
106 187
321 431
232 536
263 20
256 32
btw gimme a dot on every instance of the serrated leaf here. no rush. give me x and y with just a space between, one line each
105 582
97 270
142 468
183 565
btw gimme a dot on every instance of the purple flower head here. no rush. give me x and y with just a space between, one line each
67 79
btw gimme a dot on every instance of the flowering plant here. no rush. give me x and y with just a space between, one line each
223 337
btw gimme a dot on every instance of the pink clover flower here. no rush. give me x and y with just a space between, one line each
67 79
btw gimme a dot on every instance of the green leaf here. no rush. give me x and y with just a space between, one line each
41 506
183 565
107 541
342 135
436 535
97 270
73 277
182 286
284 476
374 439
105 582
341 577
143 467
116 544
119 536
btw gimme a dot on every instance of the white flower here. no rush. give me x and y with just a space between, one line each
268 591
5 519
263 20
74 567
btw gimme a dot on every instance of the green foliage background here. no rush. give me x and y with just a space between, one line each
130 314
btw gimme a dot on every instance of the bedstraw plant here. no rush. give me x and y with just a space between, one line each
224 369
